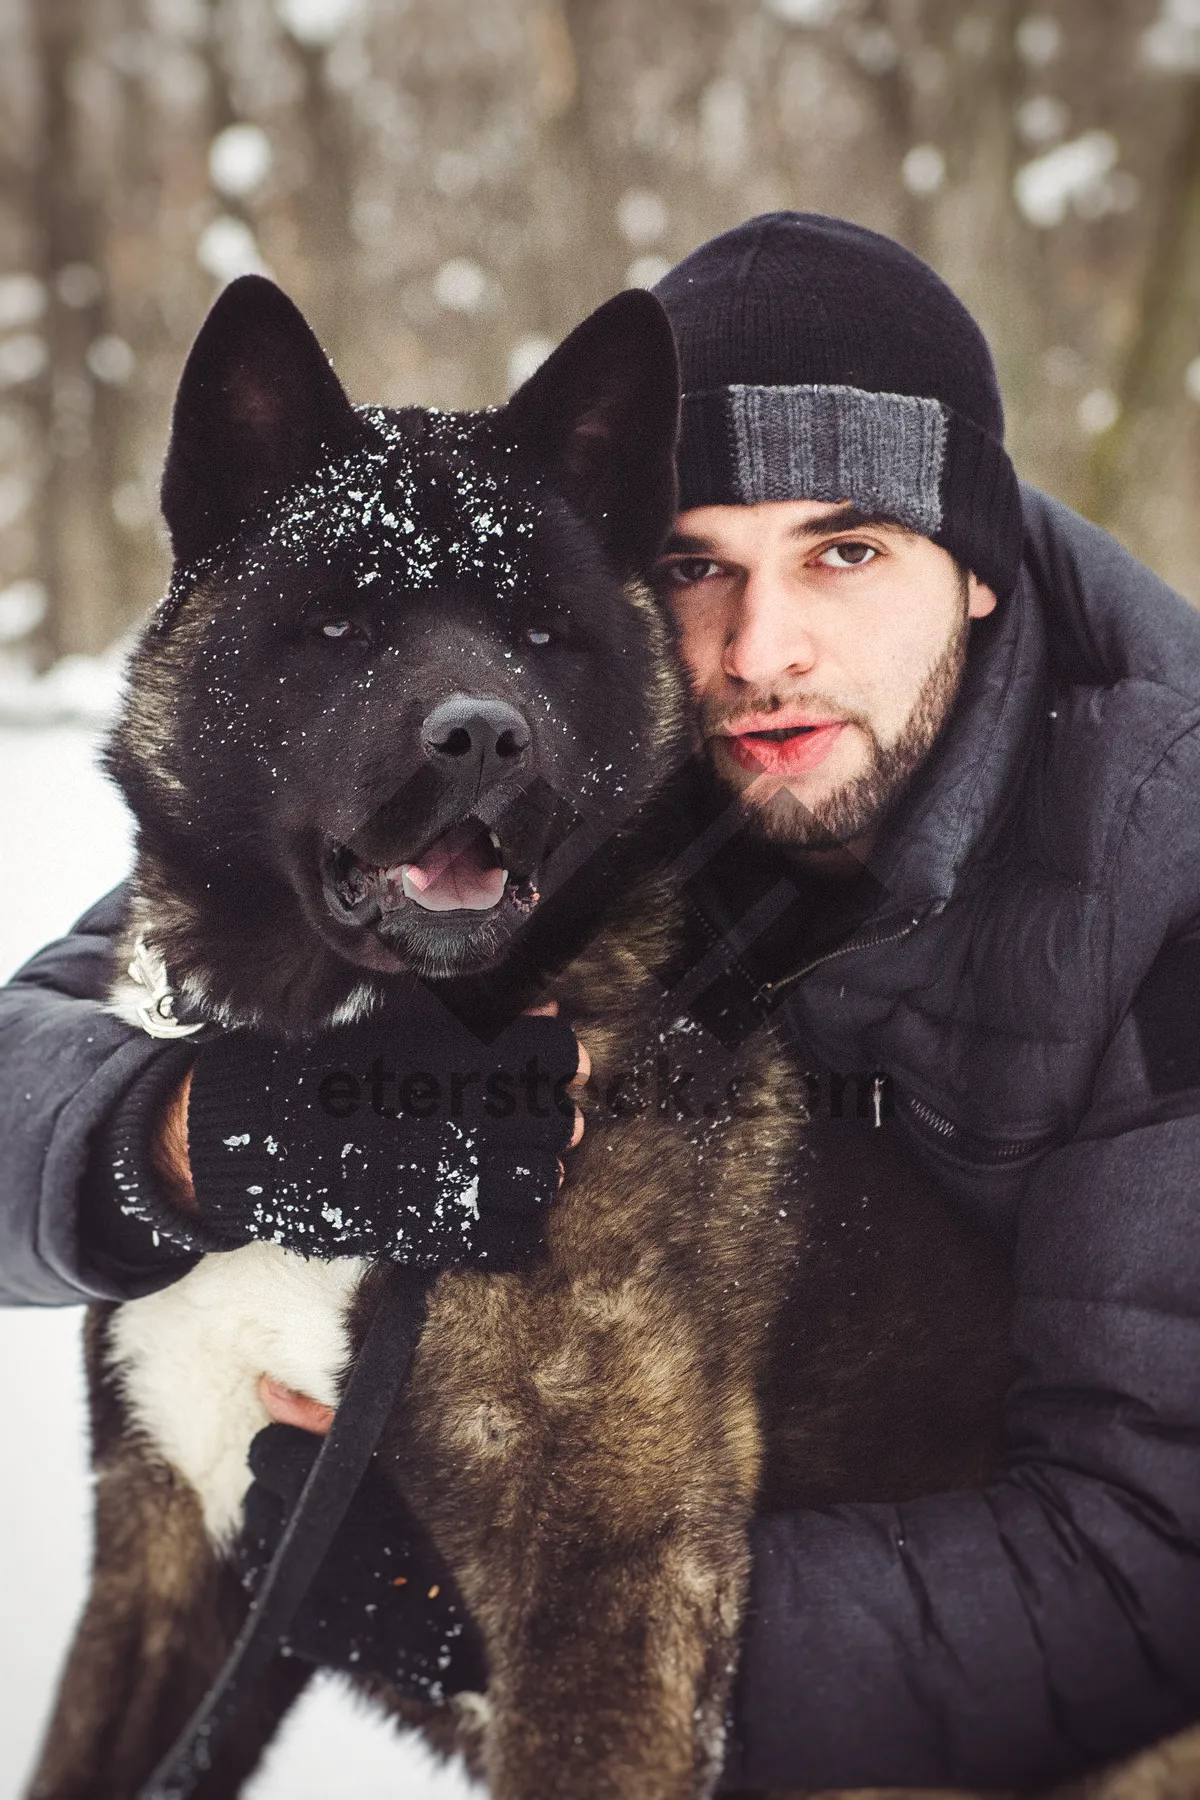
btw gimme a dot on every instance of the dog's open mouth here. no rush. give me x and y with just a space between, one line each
462 871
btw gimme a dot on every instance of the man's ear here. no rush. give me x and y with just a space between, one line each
601 417
257 408
980 599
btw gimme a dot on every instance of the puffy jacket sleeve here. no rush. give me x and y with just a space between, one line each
1008 1637
65 1063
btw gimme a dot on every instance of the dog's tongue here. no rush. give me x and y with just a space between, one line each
458 871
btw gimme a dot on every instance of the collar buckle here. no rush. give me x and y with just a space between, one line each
158 1012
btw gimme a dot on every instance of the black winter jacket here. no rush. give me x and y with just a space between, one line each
1030 982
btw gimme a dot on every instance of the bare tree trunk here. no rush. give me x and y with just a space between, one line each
452 185
1162 330
74 523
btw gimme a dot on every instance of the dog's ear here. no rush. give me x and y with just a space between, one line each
602 414
258 405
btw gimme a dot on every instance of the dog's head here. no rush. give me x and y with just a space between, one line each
405 655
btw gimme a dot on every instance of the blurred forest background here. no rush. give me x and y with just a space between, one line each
446 186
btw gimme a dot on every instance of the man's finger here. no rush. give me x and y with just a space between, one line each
548 1009
287 1407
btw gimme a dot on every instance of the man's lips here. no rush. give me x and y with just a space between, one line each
783 748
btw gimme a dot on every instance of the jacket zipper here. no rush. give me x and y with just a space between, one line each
873 942
930 1122
950 1136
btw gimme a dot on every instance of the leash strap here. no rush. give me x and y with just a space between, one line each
374 1385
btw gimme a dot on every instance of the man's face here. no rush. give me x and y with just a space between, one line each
825 650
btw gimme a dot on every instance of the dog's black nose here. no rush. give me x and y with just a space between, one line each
488 737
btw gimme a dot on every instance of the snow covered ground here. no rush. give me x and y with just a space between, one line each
66 838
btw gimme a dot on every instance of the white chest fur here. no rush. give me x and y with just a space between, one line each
189 1359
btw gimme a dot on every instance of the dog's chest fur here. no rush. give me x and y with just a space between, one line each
188 1359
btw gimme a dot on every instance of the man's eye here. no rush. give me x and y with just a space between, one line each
688 569
848 555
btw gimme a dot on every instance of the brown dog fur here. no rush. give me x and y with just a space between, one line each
585 1441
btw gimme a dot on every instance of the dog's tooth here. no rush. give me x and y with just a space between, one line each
411 889
495 841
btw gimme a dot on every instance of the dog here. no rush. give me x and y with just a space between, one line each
585 1441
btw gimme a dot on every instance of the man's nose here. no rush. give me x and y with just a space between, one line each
767 637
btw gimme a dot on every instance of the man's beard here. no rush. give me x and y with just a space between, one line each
857 807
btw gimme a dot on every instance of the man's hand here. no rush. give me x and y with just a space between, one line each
170 1150
383 1602
255 1128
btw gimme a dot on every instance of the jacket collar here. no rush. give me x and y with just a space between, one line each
960 794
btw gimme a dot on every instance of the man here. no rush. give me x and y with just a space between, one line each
1006 731
968 727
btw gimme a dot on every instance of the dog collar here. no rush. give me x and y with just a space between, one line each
158 1013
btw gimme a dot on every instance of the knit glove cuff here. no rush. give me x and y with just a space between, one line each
124 1153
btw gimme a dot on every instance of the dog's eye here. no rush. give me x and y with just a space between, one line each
538 634
339 628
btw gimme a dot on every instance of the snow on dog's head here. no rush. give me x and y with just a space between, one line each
405 655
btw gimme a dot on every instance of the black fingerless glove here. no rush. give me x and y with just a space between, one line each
403 1137
383 1602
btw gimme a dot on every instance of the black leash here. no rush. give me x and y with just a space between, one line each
374 1385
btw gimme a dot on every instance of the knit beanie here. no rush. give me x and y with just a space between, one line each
822 361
